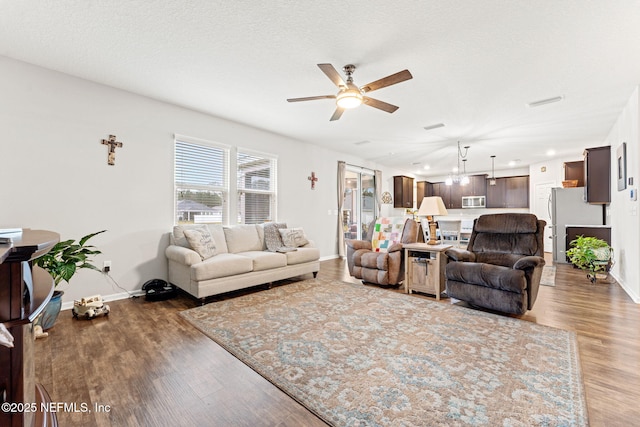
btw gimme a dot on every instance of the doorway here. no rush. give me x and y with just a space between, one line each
359 207
542 210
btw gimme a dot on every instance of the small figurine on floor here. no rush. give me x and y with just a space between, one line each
39 333
90 307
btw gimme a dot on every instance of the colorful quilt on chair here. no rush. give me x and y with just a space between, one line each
386 232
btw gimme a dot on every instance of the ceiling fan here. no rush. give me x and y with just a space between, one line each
350 95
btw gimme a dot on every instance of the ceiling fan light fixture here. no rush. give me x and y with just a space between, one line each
349 98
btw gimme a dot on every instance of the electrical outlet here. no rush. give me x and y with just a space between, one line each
106 266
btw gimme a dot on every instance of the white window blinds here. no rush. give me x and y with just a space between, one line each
201 182
256 187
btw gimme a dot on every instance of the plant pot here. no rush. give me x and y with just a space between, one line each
51 311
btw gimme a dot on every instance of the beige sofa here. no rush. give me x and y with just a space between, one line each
240 260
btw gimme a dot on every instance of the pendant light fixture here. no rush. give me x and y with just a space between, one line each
459 178
492 181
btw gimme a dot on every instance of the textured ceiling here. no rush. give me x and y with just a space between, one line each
475 66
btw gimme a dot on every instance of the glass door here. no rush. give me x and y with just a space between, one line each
359 202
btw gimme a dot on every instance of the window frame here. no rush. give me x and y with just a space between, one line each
224 188
231 191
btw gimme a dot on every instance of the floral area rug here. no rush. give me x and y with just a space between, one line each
548 275
362 356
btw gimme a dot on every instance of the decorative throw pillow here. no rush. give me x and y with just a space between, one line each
293 237
201 241
386 232
272 238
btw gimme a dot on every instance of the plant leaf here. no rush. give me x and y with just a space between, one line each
88 236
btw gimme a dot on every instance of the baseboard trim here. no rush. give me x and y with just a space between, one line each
68 305
634 297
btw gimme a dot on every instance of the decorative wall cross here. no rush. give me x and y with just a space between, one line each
313 180
112 143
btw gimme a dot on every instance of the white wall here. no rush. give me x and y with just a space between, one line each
625 230
55 176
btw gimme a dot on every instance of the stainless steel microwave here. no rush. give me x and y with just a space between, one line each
470 202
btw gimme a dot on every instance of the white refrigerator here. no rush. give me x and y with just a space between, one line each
567 207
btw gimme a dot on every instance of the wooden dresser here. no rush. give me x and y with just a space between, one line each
24 291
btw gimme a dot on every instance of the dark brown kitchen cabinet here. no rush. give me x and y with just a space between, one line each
574 171
597 175
402 192
509 192
444 191
517 192
456 192
477 186
452 194
496 193
423 189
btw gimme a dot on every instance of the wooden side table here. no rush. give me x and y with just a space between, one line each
424 268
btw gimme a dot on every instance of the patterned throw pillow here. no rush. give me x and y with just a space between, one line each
293 237
272 238
201 241
386 232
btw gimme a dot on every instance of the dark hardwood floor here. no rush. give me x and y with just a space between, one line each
148 367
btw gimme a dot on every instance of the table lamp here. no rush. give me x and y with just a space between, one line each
430 207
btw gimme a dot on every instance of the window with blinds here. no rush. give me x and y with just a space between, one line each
201 182
256 187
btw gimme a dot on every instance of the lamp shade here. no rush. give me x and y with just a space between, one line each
431 206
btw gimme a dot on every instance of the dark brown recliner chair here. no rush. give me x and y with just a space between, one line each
381 268
502 267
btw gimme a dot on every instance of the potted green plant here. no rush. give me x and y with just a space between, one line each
592 255
62 262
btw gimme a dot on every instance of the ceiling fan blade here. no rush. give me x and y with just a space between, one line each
380 105
333 74
387 81
337 114
312 98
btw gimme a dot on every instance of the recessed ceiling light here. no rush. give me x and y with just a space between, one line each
427 167
551 152
514 162
435 126
545 101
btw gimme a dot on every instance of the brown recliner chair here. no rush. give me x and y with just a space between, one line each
368 263
502 267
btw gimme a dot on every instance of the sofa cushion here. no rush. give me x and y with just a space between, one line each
201 241
222 265
374 260
507 223
386 232
303 255
264 260
272 238
293 237
242 238
178 238
487 275
217 231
